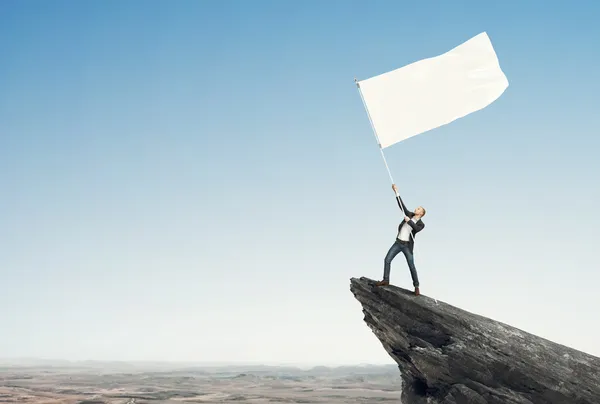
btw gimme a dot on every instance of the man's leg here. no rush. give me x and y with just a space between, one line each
387 262
411 265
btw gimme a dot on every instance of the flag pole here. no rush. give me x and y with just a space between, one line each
374 131
379 143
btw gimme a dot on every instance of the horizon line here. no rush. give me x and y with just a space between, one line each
13 360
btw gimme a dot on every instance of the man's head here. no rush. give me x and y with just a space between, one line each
420 211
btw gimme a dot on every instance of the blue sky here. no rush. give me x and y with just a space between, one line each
199 180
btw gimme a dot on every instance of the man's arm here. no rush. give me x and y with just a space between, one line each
401 203
417 226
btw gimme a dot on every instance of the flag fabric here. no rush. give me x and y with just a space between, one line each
433 92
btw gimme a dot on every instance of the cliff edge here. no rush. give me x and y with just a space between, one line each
450 356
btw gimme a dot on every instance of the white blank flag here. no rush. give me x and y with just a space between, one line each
433 92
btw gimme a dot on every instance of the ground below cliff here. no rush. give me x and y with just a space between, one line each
450 356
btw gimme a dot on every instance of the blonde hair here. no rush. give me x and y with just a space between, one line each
424 211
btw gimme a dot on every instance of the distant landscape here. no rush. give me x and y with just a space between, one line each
90 382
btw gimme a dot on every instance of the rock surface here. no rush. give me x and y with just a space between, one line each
450 356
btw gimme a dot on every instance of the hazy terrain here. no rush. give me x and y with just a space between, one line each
96 382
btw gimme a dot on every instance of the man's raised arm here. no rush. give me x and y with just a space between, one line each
401 204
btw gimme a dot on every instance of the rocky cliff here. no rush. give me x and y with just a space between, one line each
450 356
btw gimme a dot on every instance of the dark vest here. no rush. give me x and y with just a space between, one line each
419 225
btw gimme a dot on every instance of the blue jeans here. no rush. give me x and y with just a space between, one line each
394 250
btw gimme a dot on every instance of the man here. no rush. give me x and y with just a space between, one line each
405 242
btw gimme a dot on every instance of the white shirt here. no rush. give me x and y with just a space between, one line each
404 233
